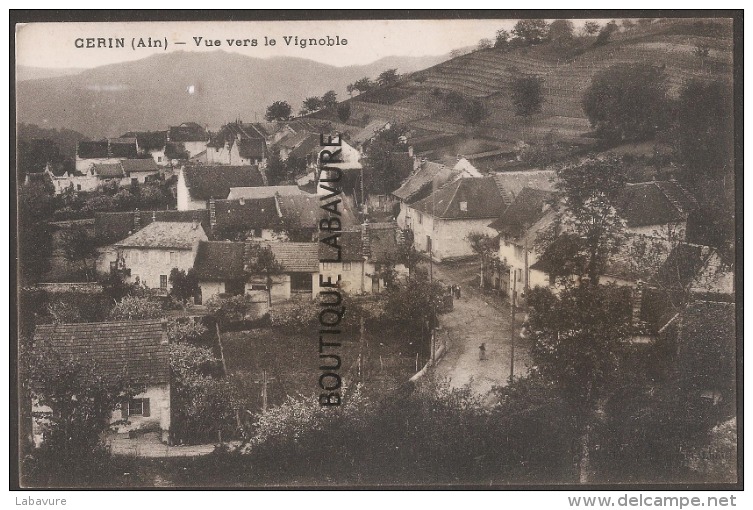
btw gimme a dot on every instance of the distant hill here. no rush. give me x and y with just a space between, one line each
153 93
25 73
418 100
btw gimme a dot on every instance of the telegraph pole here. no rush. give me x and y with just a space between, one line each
264 390
512 326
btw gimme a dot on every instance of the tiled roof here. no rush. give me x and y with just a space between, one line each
527 208
654 203
139 165
511 183
187 132
422 179
108 170
351 247
252 148
123 148
135 350
305 211
296 257
263 192
96 149
479 196
381 242
293 140
369 132
219 261
148 140
163 234
207 182
247 213
113 226
682 266
309 145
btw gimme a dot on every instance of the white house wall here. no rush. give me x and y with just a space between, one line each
148 264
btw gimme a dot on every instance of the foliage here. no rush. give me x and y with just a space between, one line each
187 360
413 302
185 285
63 312
474 111
561 31
578 337
329 99
454 101
527 95
312 104
343 112
78 245
485 44
295 315
627 24
262 262
532 31
277 111
501 39
587 194
185 331
34 234
228 310
591 27
382 171
276 170
388 77
363 85
135 308
606 32
627 102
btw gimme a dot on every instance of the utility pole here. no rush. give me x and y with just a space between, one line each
264 382
512 325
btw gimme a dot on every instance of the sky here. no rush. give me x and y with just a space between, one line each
53 45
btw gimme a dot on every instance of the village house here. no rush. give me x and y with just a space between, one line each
518 228
238 144
137 170
148 256
109 151
365 253
151 143
136 352
256 192
256 218
189 137
427 177
197 184
220 269
656 207
300 270
442 221
124 172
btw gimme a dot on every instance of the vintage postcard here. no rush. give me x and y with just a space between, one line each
378 253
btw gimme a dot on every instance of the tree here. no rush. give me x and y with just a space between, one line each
527 95
561 31
35 206
414 303
502 39
79 246
454 101
350 88
606 33
386 164
185 285
229 310
587 192
532 31
627 102
388 77
132 308
312 104
474 111
262 262
483 245
329 99
363 85
279 110
484 44
591 28
627 24
343 112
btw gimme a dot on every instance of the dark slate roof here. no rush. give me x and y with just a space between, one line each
351 247
305 211
187 132
110 227
123 148
565 247
422 179
135 350
381 242
512 183
252 148
165 235
139 165
527 208
308 145
174 150
219 261
480 194
93 149
207 182
682 266
296 257
251 213
148 140
654 203
109 170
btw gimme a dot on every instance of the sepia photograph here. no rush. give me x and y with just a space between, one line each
459 250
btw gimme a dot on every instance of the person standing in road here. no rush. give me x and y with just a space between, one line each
482 352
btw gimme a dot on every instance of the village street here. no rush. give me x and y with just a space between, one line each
477 318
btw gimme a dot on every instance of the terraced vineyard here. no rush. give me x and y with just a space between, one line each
487 75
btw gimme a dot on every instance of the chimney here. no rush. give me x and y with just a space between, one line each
212 214
637 301
165 339
365 240
154 216
242 201
136 220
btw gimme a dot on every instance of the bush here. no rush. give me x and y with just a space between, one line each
135 308
229 310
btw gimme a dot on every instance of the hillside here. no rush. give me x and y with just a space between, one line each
154 92
25 73
487 75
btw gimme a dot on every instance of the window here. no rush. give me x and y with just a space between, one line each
173 257
464 206
135 257
137 407
78 187
163 281
326 265
257 232
346 266
159 159
420 218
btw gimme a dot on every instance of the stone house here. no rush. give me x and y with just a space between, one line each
257 218
198 184
238 144
136 352
151 143
189 137
220 269
651 208
108 151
